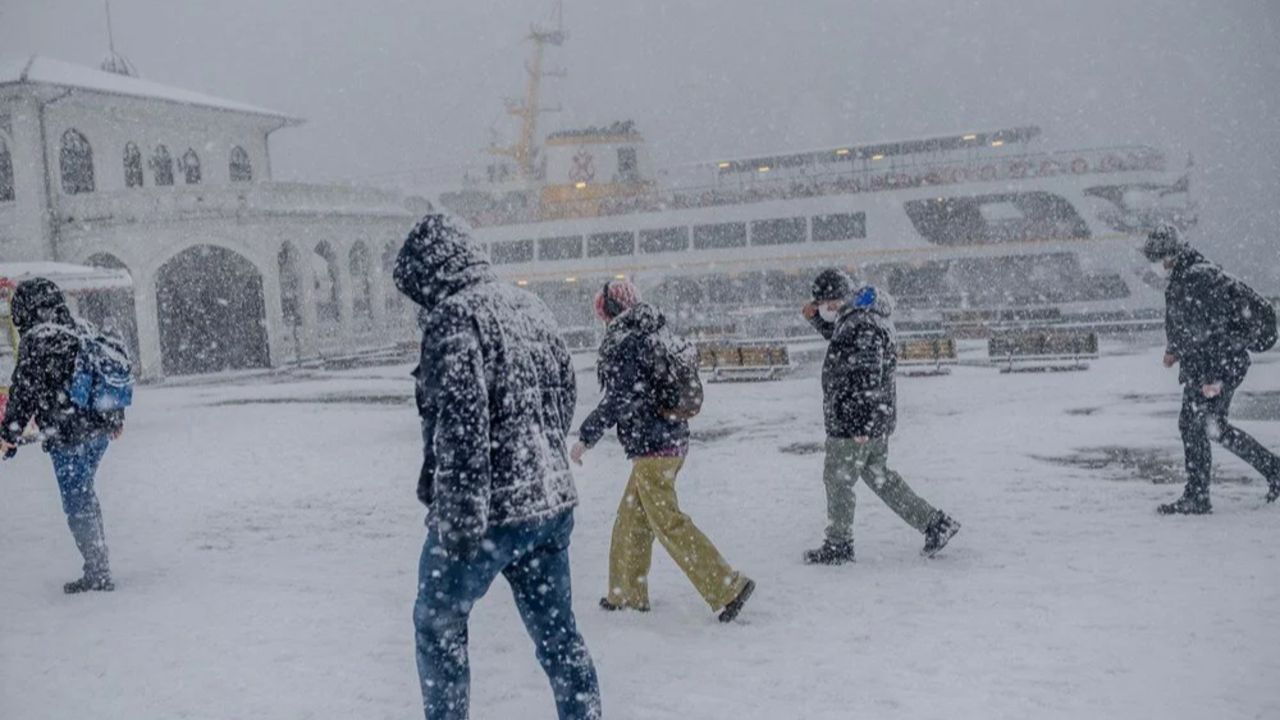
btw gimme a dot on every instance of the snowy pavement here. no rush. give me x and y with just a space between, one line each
265 537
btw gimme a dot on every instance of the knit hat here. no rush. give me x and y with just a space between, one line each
36 301
1163 243
831 284
615 298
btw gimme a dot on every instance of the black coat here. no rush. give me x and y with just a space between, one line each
495 390
41 385
626 371
859 391
1204 322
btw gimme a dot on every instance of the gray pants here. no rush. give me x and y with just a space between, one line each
847 461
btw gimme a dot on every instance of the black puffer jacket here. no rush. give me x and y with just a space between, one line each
859 391
626 371
1204 322
40 388
495 390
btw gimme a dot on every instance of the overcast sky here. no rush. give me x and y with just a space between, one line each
390 86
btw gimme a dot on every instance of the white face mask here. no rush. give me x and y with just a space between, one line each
829 313
1159 269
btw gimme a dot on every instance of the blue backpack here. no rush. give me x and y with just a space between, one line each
103 377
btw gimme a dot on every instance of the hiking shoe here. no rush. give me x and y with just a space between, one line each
86 584
735 605
939 533
1187 505
830 554
610 607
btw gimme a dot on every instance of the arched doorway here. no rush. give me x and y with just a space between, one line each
211 312
112 310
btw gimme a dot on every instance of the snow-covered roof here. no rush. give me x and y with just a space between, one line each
71 278
47 71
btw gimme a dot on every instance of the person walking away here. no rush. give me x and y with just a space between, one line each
495 390
54 386
1212 322
860 412
634 367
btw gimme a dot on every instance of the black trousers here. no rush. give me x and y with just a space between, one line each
1204 419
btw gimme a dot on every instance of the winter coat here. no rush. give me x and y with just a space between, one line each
49 341
1203 322
626 371
859 392
495 390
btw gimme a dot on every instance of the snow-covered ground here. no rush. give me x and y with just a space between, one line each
265 536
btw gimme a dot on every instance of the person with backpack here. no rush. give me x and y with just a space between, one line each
495 390
74 382
651 389
1212 322
860 413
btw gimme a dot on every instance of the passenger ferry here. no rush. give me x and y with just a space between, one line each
987 225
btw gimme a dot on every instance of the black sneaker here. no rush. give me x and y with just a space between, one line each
1273 493
1187 505
86 584
939 533
610 607
830 554
734 607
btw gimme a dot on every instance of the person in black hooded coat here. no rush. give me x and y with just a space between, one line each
495 392
76 438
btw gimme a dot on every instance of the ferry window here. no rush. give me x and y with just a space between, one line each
611 244
240 167
779 231
132 166
672 239
191 167
628 166
76 163
720 235
162 166
512 251
560 248
6 173
840 226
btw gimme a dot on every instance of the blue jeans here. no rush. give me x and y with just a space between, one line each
534 558
75 467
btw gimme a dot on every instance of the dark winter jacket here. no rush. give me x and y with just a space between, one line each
859 392
626 371
1203 319
495 390
49 341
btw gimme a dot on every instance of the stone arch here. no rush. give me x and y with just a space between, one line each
361 282
211 312
114 310
325 276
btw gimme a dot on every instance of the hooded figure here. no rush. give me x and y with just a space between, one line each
76 438
495 391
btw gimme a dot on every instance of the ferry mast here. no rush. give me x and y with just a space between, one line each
525 151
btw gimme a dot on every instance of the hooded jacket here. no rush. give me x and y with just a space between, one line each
49 341
1203 318
626 370
859 390
495 390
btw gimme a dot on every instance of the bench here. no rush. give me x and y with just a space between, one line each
926 355
743 362
1042 349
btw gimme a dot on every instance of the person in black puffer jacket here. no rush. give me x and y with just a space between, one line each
859 398
495 390
1206 326
656 444
76 438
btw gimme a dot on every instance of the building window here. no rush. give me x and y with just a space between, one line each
6 172
191 167
779 231
241 168
612 244
840 226
719 236
162 166
132 166
512 251
76 162
628 165
673 239
560 248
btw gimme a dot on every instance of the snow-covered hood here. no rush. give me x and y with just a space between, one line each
438 260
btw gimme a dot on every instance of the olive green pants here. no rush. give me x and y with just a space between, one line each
847 461
650 509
